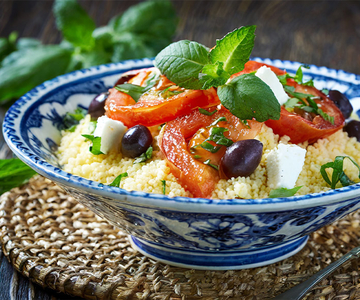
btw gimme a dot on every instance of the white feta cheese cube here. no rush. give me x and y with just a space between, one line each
111 133
270 78
284 165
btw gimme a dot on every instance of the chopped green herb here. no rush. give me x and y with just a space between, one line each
207 146
163 182
92 126
145 156
96 143
338 172
135 91
217 136
71 120
284 192
117 180
13 173
166 93
197 156
291 103
207 162
221 119
325 91
205 112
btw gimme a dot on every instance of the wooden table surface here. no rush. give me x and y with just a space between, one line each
323 33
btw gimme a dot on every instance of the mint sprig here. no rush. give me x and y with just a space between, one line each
338 174
144 156
192 66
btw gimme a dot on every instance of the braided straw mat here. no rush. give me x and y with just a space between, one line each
59 244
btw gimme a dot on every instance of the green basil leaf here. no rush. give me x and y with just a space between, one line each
74 23
70 120
284 192
248 97
13 173
7 45
32 67
207 146
234 49
291 103
182 62
117 180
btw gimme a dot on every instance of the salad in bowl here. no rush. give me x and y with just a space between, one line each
207 159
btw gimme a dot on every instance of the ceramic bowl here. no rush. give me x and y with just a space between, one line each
187 232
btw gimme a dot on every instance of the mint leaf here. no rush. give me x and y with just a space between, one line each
74 23
291 103
208 162
135 91
213 75
95 148
167 93
248 97
25 69
163 182
182 62
145 156
284 192
70 120
234 49
338 172
13 173
205 112
207 146
117 180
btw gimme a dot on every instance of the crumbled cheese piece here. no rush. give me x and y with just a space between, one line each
111 133
284 165
270 78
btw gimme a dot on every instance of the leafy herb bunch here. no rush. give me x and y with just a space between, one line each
141 31
193 66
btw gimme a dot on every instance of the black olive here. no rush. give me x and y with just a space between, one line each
97 105
353 129
136 141
342 102
241 158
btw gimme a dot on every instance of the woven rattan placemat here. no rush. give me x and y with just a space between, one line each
58 243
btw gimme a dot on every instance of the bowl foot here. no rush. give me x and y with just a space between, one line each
218 260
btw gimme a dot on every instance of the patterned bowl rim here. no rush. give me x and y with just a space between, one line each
17 111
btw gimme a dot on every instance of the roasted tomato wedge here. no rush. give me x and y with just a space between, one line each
299 125
183 133
161 104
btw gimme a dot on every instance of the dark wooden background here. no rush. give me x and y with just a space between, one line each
324 33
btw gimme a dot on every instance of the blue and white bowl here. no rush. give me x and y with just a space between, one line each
187 232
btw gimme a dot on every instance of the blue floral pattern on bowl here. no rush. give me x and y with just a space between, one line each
190 232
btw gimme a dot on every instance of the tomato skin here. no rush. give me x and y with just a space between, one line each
152 109
198 178
295 126
299 129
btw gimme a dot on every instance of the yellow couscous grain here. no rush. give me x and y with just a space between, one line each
75 157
